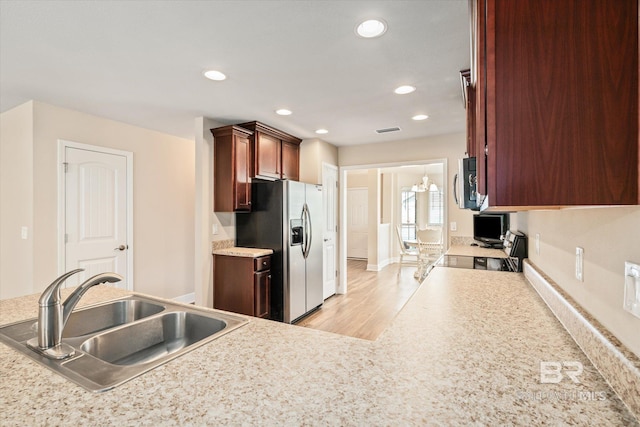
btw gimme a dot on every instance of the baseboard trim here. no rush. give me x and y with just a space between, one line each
378 267
187 299
618 365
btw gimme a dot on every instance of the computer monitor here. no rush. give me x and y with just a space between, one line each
490 228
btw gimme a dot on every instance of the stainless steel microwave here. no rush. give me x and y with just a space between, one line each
465 188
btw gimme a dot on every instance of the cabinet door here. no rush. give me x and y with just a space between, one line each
267 156
561 102
232 163
290 161
478 82
262 285
471 127
233 288
242 184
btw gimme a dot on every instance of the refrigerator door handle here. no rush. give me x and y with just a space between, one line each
306 217
303 217
310 230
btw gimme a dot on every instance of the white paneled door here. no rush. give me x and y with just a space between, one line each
95 214
329 235
357 223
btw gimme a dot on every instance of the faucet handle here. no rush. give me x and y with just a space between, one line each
51 295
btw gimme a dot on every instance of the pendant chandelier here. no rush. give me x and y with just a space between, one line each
424 185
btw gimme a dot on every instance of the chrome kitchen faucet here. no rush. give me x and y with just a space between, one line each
53 316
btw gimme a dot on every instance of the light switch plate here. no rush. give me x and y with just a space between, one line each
453 225
537 243
24 232
580 264
632 288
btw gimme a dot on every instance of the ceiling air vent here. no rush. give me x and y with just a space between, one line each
387 130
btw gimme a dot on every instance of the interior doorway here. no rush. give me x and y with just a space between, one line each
96 212
426 178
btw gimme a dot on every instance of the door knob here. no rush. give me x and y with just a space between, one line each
121 248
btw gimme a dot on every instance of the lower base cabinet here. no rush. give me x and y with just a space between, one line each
242 284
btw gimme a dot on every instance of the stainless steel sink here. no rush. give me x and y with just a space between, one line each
120 339
106 316
152 339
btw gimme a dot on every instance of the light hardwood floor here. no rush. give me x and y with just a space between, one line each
372 301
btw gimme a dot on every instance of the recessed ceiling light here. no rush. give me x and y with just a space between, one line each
371 28
322 131
283 112
420 117
403 90
214 75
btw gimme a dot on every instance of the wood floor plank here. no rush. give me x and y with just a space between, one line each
373 299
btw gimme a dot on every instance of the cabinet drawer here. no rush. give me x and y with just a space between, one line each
262 263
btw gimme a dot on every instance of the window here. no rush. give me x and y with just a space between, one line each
436 207
408 215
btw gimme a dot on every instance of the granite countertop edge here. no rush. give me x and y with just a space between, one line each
243 252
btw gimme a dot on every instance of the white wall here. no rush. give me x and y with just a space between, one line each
312 153
163 198
16 201
609 236
373 213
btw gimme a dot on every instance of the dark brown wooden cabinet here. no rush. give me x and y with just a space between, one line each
242 284
232 169
556 91
275 154
468 93
267 156
290 161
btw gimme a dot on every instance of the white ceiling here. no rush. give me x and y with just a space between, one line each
141 62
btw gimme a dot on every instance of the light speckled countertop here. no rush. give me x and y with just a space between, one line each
465 350
243 252
476 251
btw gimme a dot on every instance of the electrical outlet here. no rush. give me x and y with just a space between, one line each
214 229
454 226
24 232
632 288
537 243
580 264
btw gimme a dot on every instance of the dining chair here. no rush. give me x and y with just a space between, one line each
406 248
430 249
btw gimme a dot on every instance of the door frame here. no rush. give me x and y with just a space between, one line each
325 168
61 190
342 179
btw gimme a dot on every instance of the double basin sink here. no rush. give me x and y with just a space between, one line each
120 339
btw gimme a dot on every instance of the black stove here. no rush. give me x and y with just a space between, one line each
476 263
514 248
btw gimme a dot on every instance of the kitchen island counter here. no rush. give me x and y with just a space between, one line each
466 349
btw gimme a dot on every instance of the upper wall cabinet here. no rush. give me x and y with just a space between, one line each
556 102
275 154
232 166
468 95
